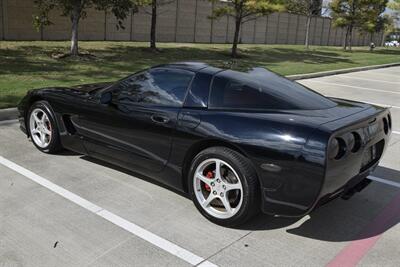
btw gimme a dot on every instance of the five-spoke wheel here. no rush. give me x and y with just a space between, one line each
218 188
42 127
224 186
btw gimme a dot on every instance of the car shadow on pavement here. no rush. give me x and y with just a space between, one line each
131 173
367 214
68 153
362 216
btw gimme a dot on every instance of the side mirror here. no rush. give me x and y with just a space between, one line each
106 98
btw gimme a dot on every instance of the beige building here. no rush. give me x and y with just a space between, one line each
180 21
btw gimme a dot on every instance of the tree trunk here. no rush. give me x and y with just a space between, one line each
383 39
350 36
346 38
308 25
75 17
238 23
153 25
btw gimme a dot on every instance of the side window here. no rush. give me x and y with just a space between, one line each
230 93
157 86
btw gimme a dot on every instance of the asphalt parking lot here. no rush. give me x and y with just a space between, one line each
70 210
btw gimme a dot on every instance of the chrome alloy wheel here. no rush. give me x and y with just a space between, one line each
218 188
40 128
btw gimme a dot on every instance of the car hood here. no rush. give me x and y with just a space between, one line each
87 88
82 90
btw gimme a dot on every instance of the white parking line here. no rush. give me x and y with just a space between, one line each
395 132
382 105
384 181
390 75
366 79
372 103
8 122
109 216
358 87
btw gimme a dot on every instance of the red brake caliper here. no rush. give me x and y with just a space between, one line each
209 175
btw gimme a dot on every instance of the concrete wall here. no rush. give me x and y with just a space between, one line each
1 21
179 21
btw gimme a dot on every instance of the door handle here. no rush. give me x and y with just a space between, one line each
159 119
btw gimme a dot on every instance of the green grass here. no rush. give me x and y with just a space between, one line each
27 65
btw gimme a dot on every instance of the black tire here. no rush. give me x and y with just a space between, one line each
54 145
248 177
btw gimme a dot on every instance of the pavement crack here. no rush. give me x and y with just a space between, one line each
108 250
225 247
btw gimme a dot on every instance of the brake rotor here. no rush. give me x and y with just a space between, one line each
209 175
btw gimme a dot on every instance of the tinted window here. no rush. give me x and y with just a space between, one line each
261 89
156 86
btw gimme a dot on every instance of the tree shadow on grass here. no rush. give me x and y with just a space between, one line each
387 52
110 63
33 65
119 58
300 55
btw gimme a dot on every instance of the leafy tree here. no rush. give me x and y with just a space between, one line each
154 4
77 10
379 25
308 8
243 11
395 6
387 25
351 14
374 21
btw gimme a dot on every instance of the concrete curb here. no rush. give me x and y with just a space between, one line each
340 71
12 113
8 114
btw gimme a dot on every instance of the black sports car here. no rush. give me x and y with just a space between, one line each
237 142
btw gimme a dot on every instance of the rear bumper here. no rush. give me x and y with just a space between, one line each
318 179
353 186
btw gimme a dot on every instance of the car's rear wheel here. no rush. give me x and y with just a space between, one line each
224 186
42 128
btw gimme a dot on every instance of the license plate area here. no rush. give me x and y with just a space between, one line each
370 156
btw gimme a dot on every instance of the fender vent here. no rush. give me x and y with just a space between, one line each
69 126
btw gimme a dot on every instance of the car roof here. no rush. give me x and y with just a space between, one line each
251 73
187 65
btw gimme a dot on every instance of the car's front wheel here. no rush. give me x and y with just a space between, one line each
224 186
43 128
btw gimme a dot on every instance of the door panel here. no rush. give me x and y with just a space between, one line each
129 136
135 129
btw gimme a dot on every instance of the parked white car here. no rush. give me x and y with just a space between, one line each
392 44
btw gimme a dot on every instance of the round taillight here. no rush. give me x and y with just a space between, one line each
337 148
390 121
355 143
385 125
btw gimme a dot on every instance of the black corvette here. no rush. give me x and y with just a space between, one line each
237 142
